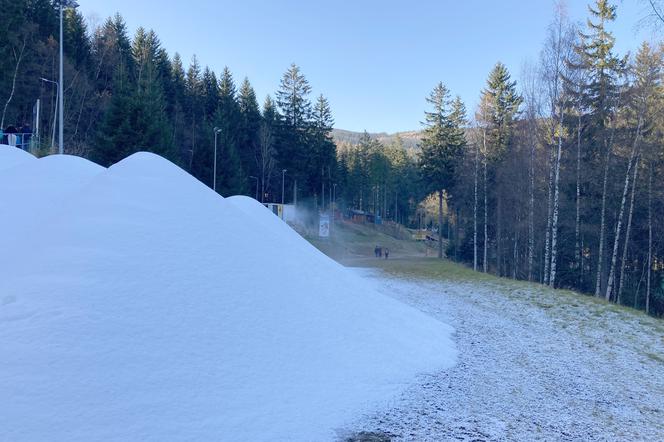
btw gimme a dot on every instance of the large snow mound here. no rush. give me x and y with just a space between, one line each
11 156
145 307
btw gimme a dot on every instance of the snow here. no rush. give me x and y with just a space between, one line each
533 364
11 156
137 304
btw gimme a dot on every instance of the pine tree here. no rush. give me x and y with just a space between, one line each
266 157
322 150
249 128
295 109
442 146
500 105
231 179
600 96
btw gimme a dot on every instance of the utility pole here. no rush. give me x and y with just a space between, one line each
214 168
283 187
61 107
55 113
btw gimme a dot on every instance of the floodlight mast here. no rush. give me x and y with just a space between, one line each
71 4
214 171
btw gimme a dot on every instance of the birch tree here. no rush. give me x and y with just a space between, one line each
558 49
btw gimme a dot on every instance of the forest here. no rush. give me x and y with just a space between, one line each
556 178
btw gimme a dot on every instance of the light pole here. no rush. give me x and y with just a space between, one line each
214 171
255 178
61 147
334 196
55 114
283 187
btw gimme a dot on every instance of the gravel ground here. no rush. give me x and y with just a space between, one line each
533 365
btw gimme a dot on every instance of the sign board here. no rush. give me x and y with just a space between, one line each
324 226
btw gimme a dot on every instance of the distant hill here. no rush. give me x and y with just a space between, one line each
410 139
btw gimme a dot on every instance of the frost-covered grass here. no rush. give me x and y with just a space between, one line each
560 302
534 363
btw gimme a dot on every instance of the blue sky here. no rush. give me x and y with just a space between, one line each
375 60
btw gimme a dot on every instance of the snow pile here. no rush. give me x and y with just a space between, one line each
143 306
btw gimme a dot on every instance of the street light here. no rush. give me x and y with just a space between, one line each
283 188
214 178
55 114
255 178
73 5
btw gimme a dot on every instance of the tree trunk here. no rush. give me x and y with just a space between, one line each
485 262
11 95
627 233
556 197
577 221
649 239
600 254
440 224
549 222
477 155
616 241
531 214
499 234
515 252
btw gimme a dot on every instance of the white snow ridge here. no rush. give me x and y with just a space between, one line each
137 304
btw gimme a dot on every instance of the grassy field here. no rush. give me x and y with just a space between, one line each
350 242
353 245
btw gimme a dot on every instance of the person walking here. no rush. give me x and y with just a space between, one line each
11 135
387 253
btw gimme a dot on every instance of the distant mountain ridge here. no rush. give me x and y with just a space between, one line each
410 138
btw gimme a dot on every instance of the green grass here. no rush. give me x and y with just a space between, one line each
350 241
353 245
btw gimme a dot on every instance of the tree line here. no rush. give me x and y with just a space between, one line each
559 179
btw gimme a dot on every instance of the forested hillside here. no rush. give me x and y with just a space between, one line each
125 93
556 178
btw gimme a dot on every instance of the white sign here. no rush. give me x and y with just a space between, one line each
324 226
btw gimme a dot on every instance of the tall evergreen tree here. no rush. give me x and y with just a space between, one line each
231 179
248 128
500 102
599 96
295 108
442 147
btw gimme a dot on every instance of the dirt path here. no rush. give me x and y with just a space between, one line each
528 370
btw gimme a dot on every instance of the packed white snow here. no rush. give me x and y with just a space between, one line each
10 156
137 304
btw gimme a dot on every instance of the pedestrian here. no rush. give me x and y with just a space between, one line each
11 135
380 252
376 251
387 253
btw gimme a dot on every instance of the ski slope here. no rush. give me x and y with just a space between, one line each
137 304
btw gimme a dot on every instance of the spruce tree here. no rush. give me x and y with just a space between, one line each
295 109
599 96
441 146
321 153
231 178
248 128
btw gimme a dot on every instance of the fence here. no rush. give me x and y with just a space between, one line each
22 141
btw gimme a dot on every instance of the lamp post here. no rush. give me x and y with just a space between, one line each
334 196
55 114
61 105
283 188
255 178
214 168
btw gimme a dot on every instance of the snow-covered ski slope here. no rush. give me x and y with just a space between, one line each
137 304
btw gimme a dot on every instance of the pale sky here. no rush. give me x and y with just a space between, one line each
375 60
